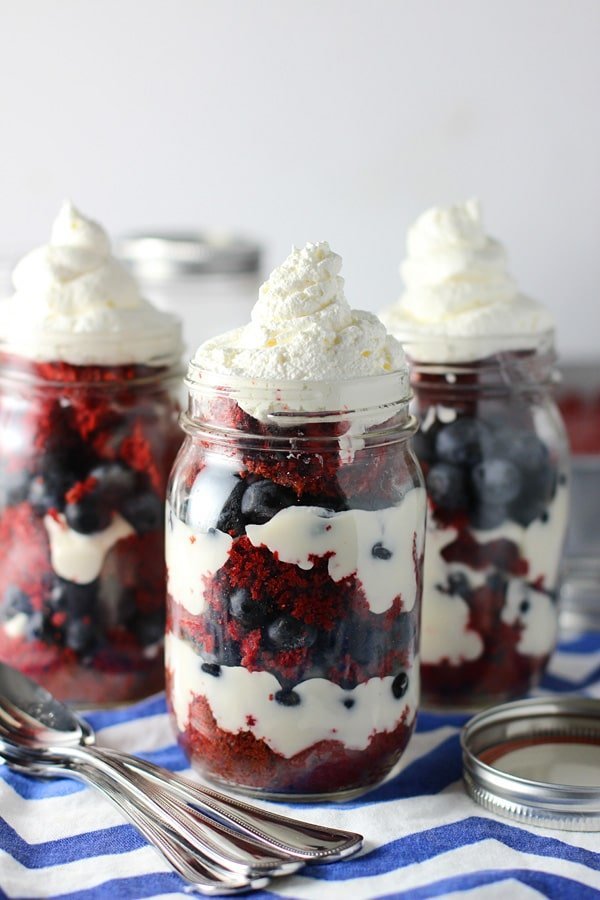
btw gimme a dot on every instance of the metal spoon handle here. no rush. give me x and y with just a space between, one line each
258 857
182 858
222 867
186 861
303 840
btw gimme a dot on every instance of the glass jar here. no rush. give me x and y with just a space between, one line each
294 555
579 402
495 457
209 279
85 453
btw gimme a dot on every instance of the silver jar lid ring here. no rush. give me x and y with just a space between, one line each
169 254
537 761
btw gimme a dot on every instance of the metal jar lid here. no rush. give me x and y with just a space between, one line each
537 761
158 255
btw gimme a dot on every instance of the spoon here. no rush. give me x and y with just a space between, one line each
185 860
31 712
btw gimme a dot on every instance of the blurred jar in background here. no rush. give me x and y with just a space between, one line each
579 402
210 279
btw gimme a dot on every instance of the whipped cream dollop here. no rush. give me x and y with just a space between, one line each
460 302
304 347
75 303
302 327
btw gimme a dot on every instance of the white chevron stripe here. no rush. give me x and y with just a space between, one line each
481 857
510 888
574 666
18 881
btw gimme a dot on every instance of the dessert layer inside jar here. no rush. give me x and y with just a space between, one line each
498 504
86 452
293 579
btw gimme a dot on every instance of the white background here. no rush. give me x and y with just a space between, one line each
297 120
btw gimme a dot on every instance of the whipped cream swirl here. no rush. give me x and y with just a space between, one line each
460 303
302 328
76 303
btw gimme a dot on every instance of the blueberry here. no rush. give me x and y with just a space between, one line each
127 608
263 499
88 515
497 582
485 516
458 583
80 600
57 600
37 628
496 481
526 450
15 601
230 518
15 486
211 669
463 442
423 444
144 512
349 702
380 552
536 493
368 645
288 633
80 636
116 482
287 697
150 628
446 486
249 612
400 685
47 491
524 606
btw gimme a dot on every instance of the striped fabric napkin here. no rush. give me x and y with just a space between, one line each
423 836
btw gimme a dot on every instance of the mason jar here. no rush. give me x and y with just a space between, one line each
85 452
295 529
578 397
495 457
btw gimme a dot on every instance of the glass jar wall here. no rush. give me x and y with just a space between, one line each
85 453
494 453
294 554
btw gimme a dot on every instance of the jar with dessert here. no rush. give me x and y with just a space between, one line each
295 531
89 374
579 402
495 457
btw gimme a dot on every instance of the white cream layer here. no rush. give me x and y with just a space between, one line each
296 533
445 633
245 701
191 556
79 557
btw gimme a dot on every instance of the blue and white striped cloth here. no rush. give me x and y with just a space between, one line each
423 836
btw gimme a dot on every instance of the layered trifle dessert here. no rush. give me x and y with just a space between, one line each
494 454
295 533
88 433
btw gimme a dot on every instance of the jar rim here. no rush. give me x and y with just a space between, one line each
147 373
371 404
425 348
197 378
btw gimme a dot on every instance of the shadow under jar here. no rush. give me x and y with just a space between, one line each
494 454
85 452
294 555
